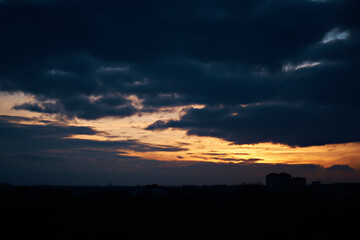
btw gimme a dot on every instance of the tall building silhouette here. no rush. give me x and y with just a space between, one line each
283 182
278 182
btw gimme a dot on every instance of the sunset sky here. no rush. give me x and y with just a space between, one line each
179 92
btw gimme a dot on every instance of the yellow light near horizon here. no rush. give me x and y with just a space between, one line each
9 100
195 148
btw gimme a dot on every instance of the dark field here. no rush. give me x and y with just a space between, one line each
188 212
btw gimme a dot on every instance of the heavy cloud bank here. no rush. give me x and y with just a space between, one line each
267 71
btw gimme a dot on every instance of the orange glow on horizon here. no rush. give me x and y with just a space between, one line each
195 148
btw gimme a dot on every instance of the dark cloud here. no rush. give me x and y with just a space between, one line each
36 139
341 168
243 160
84 60
82 107
300 125
44 154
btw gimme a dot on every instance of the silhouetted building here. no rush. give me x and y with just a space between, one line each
152 186
298 183
283 182
278 182
316 183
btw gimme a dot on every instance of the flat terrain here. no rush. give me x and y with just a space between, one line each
187 212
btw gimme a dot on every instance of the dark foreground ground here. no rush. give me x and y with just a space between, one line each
189 212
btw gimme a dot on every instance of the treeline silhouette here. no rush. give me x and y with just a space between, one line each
202 212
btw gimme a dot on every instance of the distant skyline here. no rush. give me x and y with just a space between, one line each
179 92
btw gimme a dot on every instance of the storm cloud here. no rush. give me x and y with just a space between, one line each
277 123
266 71
17 138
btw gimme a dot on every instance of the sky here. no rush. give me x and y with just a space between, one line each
178 92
